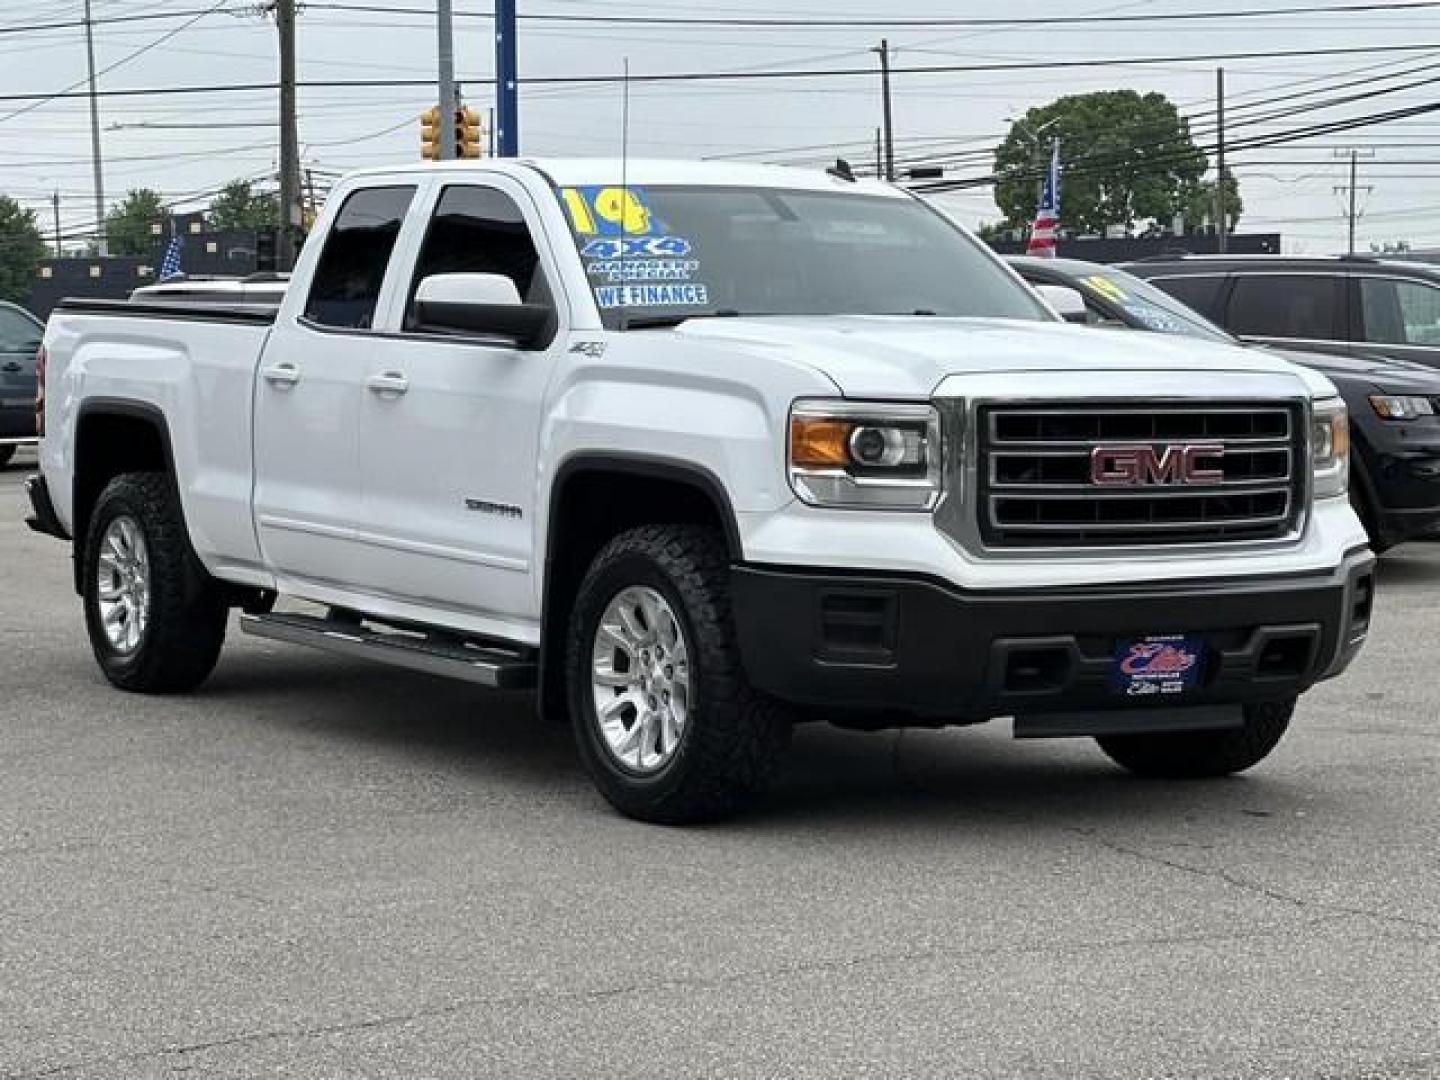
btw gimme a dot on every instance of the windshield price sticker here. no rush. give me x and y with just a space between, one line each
636 247
1107 288
618 296
1157 666
618 270
597 210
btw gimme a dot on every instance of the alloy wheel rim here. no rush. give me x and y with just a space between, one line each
123 592
640 679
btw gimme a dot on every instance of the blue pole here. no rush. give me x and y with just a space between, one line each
507 89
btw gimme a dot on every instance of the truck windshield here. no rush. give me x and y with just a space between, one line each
656 256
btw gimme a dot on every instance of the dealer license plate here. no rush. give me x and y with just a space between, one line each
1160 666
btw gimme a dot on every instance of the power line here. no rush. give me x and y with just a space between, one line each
728 76
1086 164
760 22
734 21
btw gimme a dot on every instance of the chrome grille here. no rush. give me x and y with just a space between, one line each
1038 485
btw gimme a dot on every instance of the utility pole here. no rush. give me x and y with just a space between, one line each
879 158
311 210
1352 190
95 159
1220 217
490 134
448 100
507 89
290 211
884 51
55 202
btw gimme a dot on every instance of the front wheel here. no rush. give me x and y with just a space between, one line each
156 619
1198 754
665 722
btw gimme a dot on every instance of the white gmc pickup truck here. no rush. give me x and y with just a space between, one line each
701 450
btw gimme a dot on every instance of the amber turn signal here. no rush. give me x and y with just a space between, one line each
817 443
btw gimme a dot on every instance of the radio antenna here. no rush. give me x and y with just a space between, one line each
624 180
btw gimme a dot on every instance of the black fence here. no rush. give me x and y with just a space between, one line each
114 277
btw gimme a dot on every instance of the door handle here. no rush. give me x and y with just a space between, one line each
391 383
12 366
281 374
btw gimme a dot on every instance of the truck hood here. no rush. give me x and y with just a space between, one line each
904 356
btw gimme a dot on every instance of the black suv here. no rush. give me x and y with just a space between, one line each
1394 406
1351 305
20 334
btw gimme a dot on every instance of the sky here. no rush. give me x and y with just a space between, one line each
188 145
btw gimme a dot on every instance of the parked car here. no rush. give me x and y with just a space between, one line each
20 334
1394 405
1353 305
685 453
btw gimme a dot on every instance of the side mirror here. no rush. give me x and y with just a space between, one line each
487 305
1068 303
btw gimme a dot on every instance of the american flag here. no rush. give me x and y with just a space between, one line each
1047 217
170 265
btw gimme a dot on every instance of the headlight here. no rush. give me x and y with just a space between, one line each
849 454
1402 407
1330 448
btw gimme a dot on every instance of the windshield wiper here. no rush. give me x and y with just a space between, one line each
664 322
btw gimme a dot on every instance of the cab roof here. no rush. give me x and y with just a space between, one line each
640 172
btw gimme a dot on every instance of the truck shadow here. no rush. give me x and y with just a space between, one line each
959 778
1410 564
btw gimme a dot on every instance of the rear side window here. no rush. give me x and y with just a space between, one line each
1199 293
1287 306
357 251
17 333
1400 312
479 230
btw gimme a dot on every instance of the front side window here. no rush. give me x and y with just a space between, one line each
479 230
657 255
357 251
1400 312
1300 306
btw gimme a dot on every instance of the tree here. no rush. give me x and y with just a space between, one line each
239 206
21 249
129 226
1125 158
1201 204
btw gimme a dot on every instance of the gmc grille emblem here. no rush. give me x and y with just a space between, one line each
1142 466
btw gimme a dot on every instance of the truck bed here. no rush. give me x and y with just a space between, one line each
209 311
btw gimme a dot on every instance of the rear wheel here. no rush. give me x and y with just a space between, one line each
665 722
1198 754
156 619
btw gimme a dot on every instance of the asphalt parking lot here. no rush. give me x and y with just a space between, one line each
314 868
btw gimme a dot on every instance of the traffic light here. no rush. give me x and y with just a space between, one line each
467 133
430 134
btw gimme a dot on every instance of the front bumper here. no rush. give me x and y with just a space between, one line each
907 644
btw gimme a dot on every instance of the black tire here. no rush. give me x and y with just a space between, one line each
1199 754
735 737
6 453
181 640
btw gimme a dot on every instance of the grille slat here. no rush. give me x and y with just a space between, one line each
1037 488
